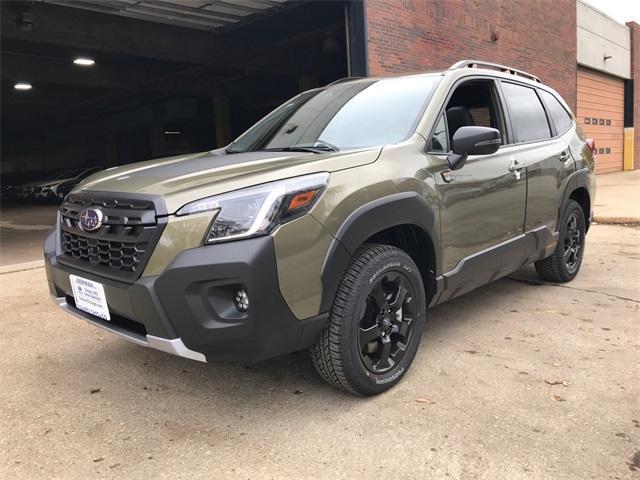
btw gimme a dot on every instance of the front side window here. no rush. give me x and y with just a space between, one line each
359 114
474 103
527 114
561 118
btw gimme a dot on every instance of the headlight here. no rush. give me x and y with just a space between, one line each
258 210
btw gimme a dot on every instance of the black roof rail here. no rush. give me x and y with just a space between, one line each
343 79
493 66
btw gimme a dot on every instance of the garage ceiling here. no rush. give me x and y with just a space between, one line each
147 69
198 14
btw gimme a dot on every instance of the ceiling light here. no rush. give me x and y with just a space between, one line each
23 86
172 132
84 61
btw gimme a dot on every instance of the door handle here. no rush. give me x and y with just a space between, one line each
564 156
515 166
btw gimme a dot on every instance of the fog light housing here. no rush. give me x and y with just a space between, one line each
241 300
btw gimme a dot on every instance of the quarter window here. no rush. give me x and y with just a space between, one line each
527 114
561 118
440 140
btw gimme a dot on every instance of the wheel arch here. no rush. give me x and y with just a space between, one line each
579 187
581 195
404 220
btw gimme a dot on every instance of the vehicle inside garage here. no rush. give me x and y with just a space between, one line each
96 84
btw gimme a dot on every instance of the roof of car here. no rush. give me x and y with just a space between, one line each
463 68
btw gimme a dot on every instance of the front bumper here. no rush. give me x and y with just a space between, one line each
174 346
188 309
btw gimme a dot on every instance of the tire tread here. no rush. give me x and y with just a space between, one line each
326 353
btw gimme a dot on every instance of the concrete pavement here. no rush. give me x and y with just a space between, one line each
618 198
516 380
23 226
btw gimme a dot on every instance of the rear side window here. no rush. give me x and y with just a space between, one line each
527 114
561 118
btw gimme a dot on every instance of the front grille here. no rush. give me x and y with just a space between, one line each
124 256
121 247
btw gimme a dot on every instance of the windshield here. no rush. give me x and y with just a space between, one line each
360 114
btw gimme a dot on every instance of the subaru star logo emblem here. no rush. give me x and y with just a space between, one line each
90 220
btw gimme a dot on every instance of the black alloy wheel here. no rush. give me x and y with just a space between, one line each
565 261
573 239
375 324
385 329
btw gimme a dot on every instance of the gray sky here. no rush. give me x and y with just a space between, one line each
621 10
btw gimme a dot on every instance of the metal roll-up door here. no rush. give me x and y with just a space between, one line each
601 116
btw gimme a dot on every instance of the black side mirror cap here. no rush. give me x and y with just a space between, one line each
473 141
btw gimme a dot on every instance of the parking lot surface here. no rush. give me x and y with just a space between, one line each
515 380
23 227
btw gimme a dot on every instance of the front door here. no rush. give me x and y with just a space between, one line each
482 205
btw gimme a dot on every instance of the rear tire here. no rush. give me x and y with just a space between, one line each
375 323
564 263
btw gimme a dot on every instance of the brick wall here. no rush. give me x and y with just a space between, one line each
538 36
635 75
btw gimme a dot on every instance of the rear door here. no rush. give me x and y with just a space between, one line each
547 158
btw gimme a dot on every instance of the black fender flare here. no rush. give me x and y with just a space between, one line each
578 179
397 209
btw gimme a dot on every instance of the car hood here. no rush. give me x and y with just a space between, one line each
185 178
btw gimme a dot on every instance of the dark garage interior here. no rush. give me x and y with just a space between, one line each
91 84
98 84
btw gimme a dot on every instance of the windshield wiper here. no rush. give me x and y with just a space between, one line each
321 145
292 148
279 149
316 148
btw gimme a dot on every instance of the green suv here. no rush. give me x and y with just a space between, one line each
333 223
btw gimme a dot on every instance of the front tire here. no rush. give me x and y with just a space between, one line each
375 324
564 263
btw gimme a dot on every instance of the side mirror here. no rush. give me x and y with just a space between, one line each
473 141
